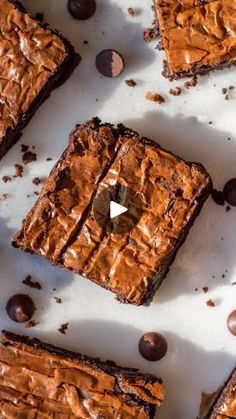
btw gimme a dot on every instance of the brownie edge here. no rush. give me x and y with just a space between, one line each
224 406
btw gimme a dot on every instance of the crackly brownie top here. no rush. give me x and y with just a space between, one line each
29 56
62 225
39 380
197 33
225 407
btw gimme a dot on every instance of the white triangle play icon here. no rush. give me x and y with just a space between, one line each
116 209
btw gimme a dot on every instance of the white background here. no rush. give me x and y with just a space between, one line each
201 350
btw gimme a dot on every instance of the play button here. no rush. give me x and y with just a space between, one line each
117 209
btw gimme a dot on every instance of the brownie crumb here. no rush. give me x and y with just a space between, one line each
29 157
24 148
231 87
149 34
58 300
36 193
205 289
36 181
48 159
39 17
131 83
191 83
131 11
6 178
223 275
210 122
155 97
31 323
175 91
4 196
218 197
196 289
228 208
54 289
224 91
19 170
85 42
63 328
227 97
32 284
210 303
233 283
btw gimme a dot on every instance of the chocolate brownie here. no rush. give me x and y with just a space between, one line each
33 61
41 380
225 404
197 35
70 223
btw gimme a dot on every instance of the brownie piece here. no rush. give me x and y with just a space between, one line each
41 380
225 404
33 61
130 257
197 35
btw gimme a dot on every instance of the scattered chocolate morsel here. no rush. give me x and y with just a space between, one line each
36 181
39 17
153 346
155 97
85 42
210 122
20 308
228 208
24 148
32 284
175 91
36 193
19 170
48 159
29 157
231 322
131 11
63 328
205 289
233 283
81 9
196 289
227 97
230 192
231 87
4 196
191 83
58 300
6 178
224 91
31 323
210 303
218 197
131 83
110 63
149 34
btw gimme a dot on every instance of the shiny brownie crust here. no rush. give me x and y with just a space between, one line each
225 404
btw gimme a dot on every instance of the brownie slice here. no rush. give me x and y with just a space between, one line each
33 61
41 380
197 35
70 223
225 404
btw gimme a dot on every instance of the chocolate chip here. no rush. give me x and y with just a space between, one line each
230 192
81 9
20 308
153 346
110 63
231 322
218 197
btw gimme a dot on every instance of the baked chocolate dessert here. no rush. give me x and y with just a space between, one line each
33 61
197 35
71 225
41 380
225 404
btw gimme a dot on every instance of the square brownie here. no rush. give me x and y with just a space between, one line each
197 35
70 223
225 404
33 61
43 381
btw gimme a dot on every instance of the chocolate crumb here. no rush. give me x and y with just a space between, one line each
227 97
6 178
48 159
31 323
231 87
131 11
228 208
218 197
4 196
54 289
210 122
63 328
85 42
36 193
29 157
32 284
149 34
155 97
24 148
36 181
58 300
223 275
229 138
19 170
205 289
196 289
175 91
131 83
224 91
210 303
233 283
191 83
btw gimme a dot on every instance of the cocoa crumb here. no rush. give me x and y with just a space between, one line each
6 178
24 148
228 208
205 289
231 87
29 157
175 91
210 122
155 97
36 193
149 34
85 42
58 300
227 97
131 11
210 303
196 289
224 91
36 181
32 284
19 170
4 196
131 83
63 328
48 159
31 323
191 83
233 283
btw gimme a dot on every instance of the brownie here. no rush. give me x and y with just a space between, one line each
41 380
225 405
197 35
129 257
33 61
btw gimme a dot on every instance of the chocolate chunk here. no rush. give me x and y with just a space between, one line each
110 63
32 284
230 192
218 197
131 83
81 9
231 322
29 157
155 97
20 308
63 328
153 346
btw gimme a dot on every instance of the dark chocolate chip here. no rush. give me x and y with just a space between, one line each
230 192
20 308
81 9
218 197
110 63
153 346
231 322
